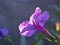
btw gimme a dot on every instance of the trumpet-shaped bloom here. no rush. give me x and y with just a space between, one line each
36 22
3 32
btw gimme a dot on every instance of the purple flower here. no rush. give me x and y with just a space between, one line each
3 32
36 22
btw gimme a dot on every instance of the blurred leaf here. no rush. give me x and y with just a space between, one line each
54 39
40 37
48 39
9 39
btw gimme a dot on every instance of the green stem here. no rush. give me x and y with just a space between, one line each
8 39
40 37
53 39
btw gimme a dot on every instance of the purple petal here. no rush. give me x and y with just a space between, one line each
29 32
4 31
23 25
40 27
1 35
43 18
26 29
35 14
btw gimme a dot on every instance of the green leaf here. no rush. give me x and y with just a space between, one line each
40 37
54 39
8 39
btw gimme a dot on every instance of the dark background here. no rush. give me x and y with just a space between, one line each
13 12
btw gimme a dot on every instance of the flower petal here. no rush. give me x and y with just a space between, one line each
1 35
23 25
43 18
35 14
4 31
26 29
28 33
40 27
